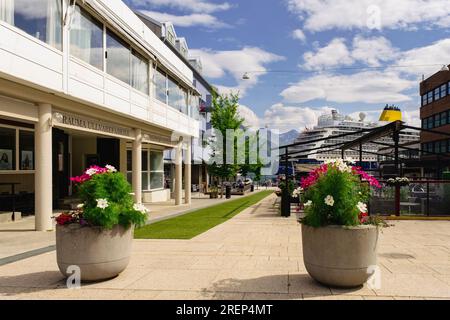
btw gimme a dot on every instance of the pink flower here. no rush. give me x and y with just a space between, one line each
87 175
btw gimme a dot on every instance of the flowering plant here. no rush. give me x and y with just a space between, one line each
336 195
398 181
106 200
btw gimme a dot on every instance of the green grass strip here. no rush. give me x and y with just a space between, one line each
194 223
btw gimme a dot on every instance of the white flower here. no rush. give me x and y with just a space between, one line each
140 207
308 204
80 206
297 192
91 171
329 201
110 168
362 207
102 203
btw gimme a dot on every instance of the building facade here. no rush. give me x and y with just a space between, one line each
435 115
202 110
84 83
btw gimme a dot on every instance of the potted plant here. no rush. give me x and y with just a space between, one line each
339 238
97 237
214 192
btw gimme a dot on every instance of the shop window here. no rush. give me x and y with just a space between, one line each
26 150
86 38
41 19
156 170
118 57
7 149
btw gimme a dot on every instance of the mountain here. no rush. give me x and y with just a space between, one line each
288 137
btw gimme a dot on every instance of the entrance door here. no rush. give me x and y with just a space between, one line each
61 179
108 151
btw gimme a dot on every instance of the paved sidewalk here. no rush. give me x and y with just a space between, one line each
19 237
255 255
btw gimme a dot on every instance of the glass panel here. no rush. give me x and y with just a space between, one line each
7 149
443 90
40 18
129 177
86 38
145 181
443 118
118 63
156 161
437 94
160 86
424 100
129 161
173 93
144 160
139 79
156 180
430 97
26 154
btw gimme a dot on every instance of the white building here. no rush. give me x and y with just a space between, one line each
87 82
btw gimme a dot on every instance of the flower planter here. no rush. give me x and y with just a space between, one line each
340 256
100 253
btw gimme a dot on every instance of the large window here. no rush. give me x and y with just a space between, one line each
156 170
443 90
7 149
118 57
177 96
139 72
86 38
40 18
160 86
16 149
152 169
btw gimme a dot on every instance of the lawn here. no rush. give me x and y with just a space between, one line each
194 223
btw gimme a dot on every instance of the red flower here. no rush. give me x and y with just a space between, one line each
63 219
363 217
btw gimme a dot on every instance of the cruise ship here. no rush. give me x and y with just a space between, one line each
336 124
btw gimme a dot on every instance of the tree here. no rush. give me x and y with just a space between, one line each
224 116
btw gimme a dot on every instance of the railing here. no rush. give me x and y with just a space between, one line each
419 198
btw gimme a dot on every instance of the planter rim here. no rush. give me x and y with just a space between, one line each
332 226
74 226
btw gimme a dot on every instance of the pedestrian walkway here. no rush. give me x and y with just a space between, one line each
255 255
17 238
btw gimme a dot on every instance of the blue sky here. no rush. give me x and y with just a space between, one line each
305 57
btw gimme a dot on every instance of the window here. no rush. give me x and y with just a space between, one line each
443 90
118 57
7 149
145 171
129 165
160 85
437 94
443 118
430 97
40 18
86 38
437 121
156 170
139 68
424 100
26 150
177 96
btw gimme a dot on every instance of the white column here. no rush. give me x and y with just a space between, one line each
178 174
43 173
187 172
137 166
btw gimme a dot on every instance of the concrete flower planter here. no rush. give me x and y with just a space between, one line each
340 256
100 253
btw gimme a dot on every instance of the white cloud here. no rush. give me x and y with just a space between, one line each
195 19
373 51
321 15
198 6
364 87
286 118
335 53
217 64
369 51
298 34
251 119
425 60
